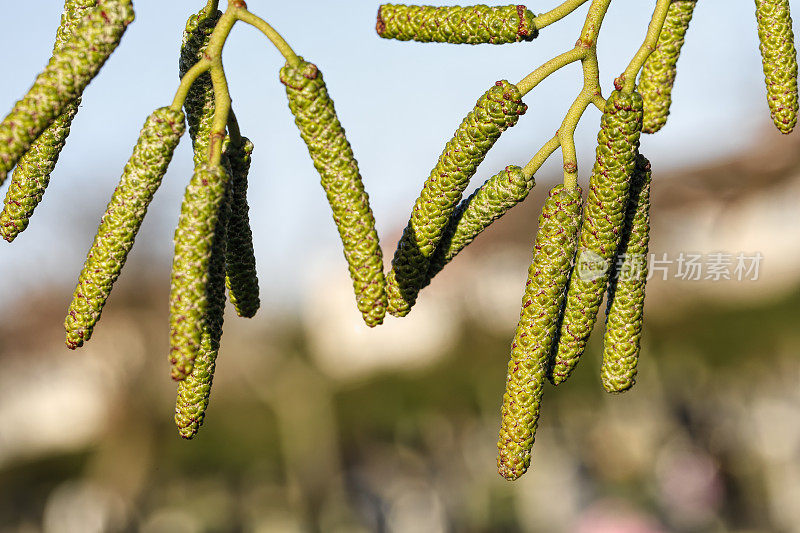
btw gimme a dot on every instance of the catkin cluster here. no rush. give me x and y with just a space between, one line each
603 218
32 173
497 110
69 71
456 24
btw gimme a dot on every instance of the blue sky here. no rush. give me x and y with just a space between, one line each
400 103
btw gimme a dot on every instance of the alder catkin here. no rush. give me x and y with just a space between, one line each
194 237
199 103
195 390
121 221
64 79
536 331
240 271
474 214
779 59
603 218
333 158
32 173
477 24
658 74
624 313
497 110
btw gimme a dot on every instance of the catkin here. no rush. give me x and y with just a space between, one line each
498 109
474 214
121 221
538 324
456 24
603 218
64 79
194 238
624 313
779 58
658 73
333 158
32 173
241 278
195 390
199 103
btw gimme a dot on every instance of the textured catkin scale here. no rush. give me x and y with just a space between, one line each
625 310
779 58
194 237
548 274
32 173
195 390
121 221
64 79
474 214
333 158
240 271
456 24
603 219
497 110
199 103
658 73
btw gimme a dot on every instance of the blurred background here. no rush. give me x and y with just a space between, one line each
317 423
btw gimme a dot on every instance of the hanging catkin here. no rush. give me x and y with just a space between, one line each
121 221
497 110
624 313
474 214
779 59
241 278
199 103
32 173
194 237
333 158
536 331
603 217
456 24
658 73
195 390
64 79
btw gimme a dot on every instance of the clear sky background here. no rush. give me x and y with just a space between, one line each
399 101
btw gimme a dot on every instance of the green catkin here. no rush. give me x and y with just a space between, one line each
658 73
64 79
333 158
241 278
199 103
624 313
497 110
195 390
121 221
32 173
779 58
474 214
456 24
548 274
194 237
603 218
